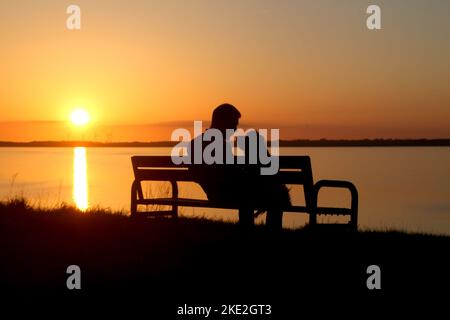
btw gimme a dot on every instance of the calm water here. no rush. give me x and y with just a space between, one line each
400 188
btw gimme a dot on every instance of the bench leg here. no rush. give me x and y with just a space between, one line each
313 207
354 217
246 219
174 196
133 208
312 219
274 220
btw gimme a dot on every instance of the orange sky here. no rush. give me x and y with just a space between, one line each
310 68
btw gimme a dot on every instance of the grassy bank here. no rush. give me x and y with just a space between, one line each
191 259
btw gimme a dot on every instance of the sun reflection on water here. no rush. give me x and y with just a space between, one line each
80 186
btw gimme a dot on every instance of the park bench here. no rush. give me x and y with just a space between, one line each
293 170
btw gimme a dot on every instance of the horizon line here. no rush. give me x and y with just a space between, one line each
324 142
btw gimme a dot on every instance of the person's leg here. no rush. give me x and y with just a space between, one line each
279 199
243 193
274 219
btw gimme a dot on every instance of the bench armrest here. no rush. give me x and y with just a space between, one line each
344 185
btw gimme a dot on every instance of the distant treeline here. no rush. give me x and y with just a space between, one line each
283 143
367 143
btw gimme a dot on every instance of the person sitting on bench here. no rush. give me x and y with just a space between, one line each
230 184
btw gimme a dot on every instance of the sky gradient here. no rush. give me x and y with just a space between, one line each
310 68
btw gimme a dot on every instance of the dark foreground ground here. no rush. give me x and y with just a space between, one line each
161 264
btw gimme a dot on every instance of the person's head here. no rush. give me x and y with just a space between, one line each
225 116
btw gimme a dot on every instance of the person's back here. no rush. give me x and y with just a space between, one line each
234 184
216 179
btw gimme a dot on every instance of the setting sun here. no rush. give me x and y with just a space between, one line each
79 117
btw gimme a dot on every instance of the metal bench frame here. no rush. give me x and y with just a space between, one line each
294 170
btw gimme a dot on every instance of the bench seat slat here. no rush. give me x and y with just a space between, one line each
288 162
163 175
285 177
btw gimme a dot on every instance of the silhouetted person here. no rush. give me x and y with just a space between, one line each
237 185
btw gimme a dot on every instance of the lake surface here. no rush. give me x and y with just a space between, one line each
399 187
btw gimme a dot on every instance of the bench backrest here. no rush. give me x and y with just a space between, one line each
292 170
